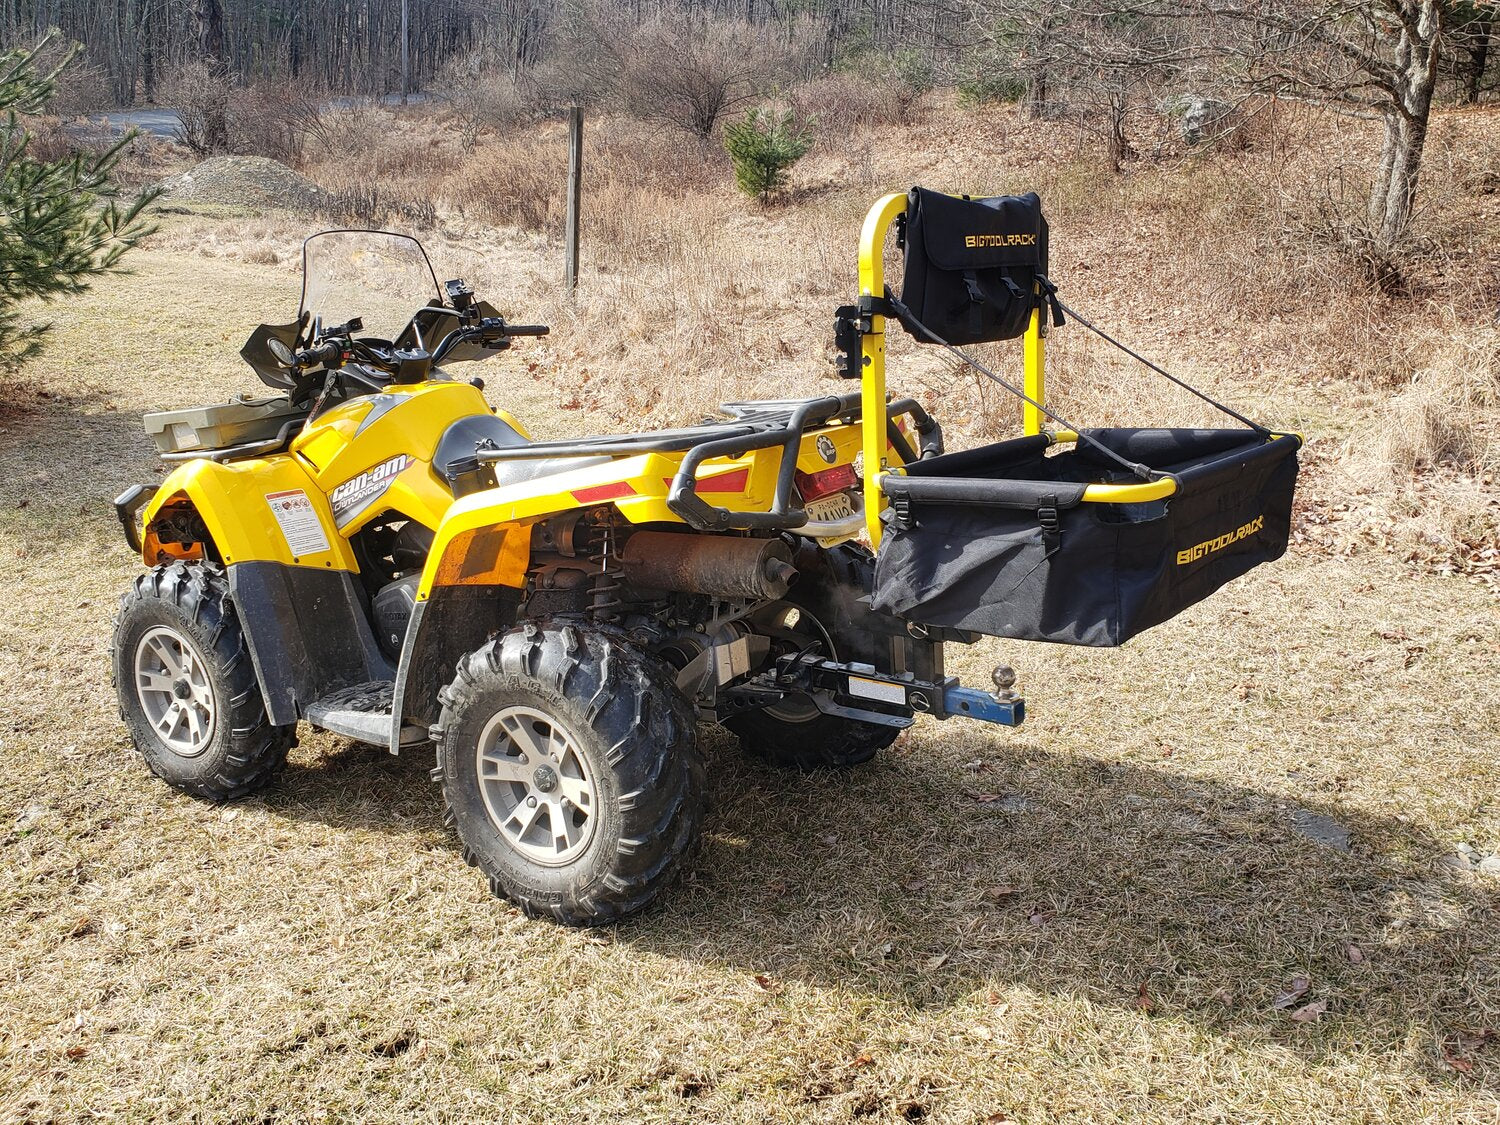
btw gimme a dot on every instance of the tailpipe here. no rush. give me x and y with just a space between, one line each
720 566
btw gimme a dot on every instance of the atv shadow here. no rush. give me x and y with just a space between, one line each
929 884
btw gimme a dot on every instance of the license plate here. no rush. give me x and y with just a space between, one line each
835 507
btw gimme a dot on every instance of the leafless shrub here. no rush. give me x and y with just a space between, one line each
349 129
273 119
368 204
671 161
1438 418
516 185
675 65
83 88
479 93
840 103
48 139
411 159
201 99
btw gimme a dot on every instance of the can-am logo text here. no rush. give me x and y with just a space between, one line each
354 496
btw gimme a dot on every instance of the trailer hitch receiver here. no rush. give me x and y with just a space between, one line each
858 691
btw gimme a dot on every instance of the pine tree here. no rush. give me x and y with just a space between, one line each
61 222
763 146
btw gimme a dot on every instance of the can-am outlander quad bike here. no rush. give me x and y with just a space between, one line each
376 551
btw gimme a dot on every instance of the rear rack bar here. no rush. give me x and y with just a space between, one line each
751 426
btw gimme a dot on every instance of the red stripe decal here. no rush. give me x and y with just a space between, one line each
733 481
595 493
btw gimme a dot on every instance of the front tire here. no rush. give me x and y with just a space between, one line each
187 686
569 768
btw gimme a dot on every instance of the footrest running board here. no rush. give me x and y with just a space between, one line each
362 712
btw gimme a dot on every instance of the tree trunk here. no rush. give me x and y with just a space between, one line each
148 55
1395 190
1479 57
1037 93
209 16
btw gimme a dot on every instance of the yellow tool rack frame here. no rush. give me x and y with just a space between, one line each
878 222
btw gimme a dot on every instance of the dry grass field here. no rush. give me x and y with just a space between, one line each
1213 879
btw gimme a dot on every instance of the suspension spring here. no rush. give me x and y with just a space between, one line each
606 597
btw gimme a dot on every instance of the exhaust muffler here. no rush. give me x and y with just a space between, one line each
722 567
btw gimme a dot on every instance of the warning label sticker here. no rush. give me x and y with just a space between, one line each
298 520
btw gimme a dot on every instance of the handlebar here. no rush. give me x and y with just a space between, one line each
324 354
332 351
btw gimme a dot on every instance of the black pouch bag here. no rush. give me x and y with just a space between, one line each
997 539
971 265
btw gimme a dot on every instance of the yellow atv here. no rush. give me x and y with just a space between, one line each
376 551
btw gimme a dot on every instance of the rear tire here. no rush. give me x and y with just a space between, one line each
795 734
570 770
187 686
817 742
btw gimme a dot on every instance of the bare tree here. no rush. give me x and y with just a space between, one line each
209 16
1377 59
1369 58
676 65
478 91
1471 28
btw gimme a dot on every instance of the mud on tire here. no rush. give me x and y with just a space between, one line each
594 735
224 747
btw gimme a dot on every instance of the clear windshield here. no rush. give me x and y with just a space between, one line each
382 278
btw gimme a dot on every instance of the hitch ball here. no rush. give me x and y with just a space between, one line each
1005 679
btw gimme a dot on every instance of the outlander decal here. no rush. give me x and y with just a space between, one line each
353 496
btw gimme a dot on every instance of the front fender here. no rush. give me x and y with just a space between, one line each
257 510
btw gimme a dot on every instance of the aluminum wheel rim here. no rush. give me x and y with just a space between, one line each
536 785
176 695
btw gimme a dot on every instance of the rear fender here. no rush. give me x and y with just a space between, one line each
475 576
485 538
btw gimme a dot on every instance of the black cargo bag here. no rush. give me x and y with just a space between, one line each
998 539
971 265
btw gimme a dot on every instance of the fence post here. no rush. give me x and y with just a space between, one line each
575 191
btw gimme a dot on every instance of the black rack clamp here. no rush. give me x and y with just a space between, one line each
851 323
127 506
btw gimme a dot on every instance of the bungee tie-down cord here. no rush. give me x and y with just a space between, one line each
1049 296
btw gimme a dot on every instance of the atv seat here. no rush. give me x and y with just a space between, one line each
455 459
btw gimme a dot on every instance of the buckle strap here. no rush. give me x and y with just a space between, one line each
1048 297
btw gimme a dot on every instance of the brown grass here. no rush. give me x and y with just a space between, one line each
1104 943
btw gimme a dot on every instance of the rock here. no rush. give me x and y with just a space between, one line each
1490 865
1467 851
254 182
1200 118
1320 828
